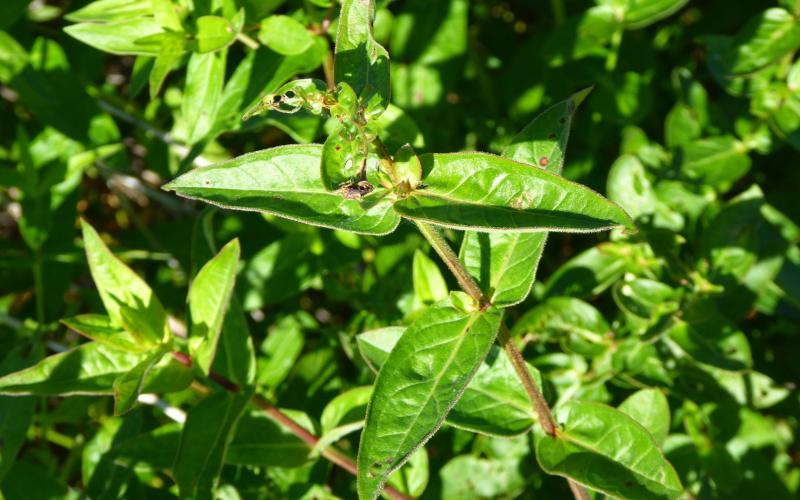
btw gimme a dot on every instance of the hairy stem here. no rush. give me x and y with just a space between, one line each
469 285
311 440
440 245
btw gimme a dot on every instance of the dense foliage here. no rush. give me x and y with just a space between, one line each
352 306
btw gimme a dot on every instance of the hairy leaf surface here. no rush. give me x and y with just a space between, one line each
285 181
420 381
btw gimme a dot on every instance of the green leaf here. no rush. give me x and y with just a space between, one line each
608 451
285 35
205 77
214 33
280 351
111 10
166 13
349 406
576 324
361 62
88 369
209 297
629 186
429 284
124 37
505 264
590 272
650 408
375 345
235 357
284 181
489 193
495 402
128 386
129 301
261 441
641 13
763 41
208 430
421 380
101 329
718 161
168 57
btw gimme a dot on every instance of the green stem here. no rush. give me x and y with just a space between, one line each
250 42
469 285
327 67
559 11
38 284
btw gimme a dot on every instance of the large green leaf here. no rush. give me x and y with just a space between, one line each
285 181
361 62
421 380
88 369
129 301
489 193
208 430
608 451
209 297
504 264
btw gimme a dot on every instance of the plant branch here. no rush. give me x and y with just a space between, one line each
440 245
311 440
469 285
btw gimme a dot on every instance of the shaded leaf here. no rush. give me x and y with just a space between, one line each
208 430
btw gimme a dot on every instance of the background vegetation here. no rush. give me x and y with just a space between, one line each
693 126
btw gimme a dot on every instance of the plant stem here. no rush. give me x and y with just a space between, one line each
311 440
247 41
537 399
38 284
440 245
327 67
559 11
469 285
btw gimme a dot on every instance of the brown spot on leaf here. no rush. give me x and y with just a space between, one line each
543 161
